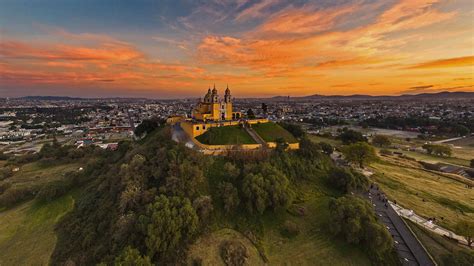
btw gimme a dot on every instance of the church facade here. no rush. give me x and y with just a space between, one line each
212 108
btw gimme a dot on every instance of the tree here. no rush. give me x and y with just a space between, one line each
349 136
353 218
326 148
167 224
148 125
360 153
435 149
264 108
229 195
203 206
267 188
250 113
231 170
381 141
295 129
347 181
183 179
466 229
132 257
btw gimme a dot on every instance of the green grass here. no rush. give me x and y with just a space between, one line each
436 159
228 135
270 132
318 139
314 245
37 174
436 245
27 231
207 248
429 194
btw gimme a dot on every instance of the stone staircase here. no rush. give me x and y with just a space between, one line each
256 137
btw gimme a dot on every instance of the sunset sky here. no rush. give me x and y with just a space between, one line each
170 48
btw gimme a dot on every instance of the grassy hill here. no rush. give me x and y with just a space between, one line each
270 132
27 234
429 194
229 135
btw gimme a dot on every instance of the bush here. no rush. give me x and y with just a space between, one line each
381 141
290 229
15 195
233 253
53 190
360 153
229 196
354 219
5 172
385 152
439 150
349 136
347 181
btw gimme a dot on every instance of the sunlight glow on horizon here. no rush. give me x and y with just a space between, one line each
260 48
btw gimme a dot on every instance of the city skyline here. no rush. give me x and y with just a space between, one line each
260 48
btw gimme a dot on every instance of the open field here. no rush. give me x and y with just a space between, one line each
437 246
429 194
270 132
38 174
226 136
435 159
317 139
27 231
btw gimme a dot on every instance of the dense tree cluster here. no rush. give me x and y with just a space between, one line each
295 129
359 153
150 202
349 136
264 187
381 141
347 181
435 149
354 219
148 125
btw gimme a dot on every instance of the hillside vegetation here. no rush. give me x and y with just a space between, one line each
271 132
160 200
228 135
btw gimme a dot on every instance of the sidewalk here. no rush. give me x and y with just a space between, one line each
412 216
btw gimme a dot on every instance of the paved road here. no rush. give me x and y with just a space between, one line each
410 251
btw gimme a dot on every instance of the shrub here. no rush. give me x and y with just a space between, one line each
349 136
354 219
439 150
346 180
290 229
15 195
381 141
360 153
229 196
233 253
385 152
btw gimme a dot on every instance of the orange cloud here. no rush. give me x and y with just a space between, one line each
465 61
107 51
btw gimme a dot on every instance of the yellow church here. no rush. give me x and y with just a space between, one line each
214 109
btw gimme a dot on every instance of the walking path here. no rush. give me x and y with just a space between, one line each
256 137
409 249
412 216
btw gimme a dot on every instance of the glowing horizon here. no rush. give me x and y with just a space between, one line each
260 48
